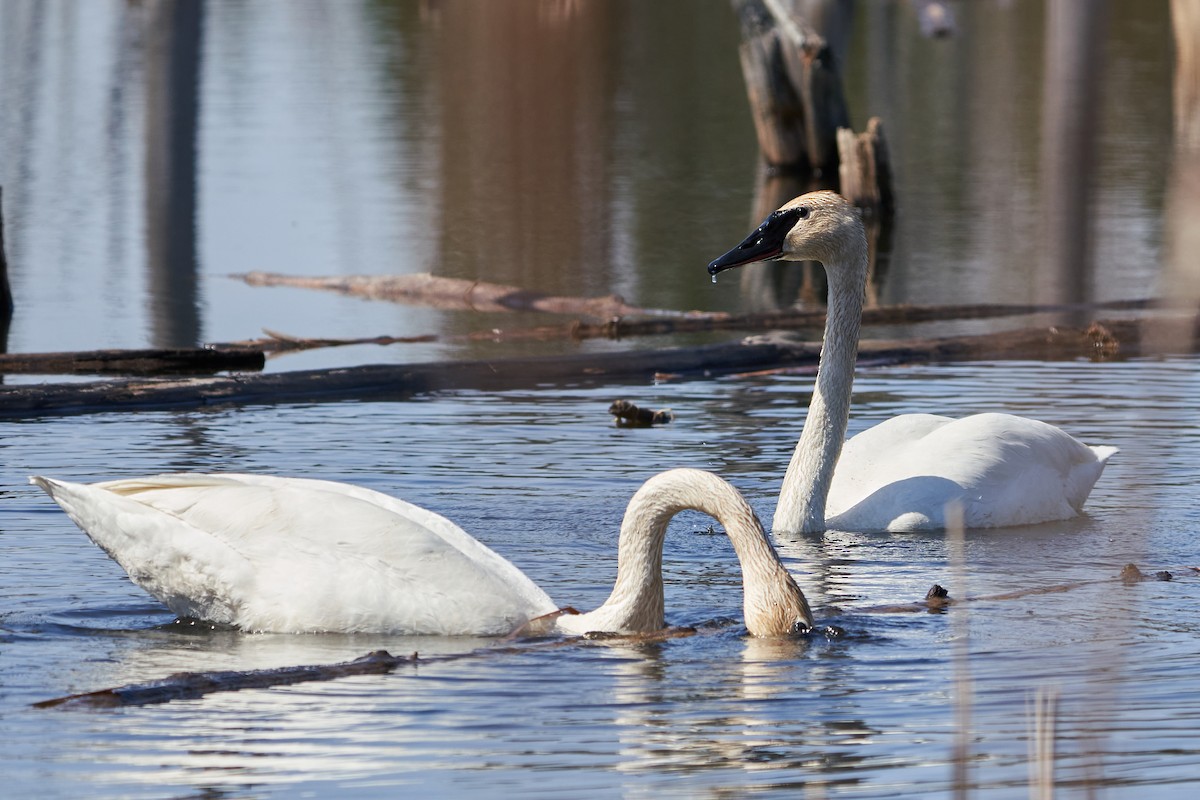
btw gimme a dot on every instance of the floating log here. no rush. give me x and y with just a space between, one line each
456 293
1099 341
181 361
395 381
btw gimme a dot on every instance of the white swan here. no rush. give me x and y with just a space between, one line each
298 555
899 475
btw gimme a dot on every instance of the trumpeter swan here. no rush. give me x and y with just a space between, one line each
899 475
298 555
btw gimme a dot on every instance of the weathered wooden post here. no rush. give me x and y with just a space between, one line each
803 128
793 85
864 172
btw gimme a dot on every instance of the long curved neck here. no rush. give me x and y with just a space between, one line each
801 507
636 602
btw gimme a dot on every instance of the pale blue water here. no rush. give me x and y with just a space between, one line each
543 478
580 148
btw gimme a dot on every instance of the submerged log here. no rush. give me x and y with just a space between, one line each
194 685
181 361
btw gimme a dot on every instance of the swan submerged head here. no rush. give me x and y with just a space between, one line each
818 226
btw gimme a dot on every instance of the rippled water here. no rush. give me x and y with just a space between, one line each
543 478
583 148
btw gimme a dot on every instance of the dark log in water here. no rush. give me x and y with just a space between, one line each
386 381
181 361
194 685
397 381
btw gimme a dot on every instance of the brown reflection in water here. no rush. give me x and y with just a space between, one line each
1181 268
1071 89
173 53
527 89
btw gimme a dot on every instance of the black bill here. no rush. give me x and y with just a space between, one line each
765 244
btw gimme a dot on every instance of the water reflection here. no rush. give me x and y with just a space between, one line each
568 147
173 46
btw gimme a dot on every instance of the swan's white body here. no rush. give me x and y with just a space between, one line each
296 555
900 475
1001 469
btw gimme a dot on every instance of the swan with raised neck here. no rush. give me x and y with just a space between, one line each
900 475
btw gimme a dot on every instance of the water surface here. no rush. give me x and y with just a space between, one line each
580 148
543 478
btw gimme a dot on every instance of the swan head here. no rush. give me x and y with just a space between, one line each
776 608
818 226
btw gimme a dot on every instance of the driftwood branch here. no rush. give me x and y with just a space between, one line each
456 293
183 361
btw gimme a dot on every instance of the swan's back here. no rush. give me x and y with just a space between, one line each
280 554
1004 469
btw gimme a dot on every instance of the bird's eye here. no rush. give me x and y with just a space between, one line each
802 212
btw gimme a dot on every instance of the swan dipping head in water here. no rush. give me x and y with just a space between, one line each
296 555
900 475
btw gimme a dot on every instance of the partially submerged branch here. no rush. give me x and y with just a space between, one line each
456 293
194 685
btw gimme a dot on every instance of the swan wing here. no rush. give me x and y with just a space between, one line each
434 523
1004 469
285 556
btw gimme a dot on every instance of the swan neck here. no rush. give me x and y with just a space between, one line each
636 602
801 507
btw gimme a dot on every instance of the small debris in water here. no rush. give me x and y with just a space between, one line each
631 416
1131 574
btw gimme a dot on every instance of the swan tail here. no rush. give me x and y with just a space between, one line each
191 573
1083 476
